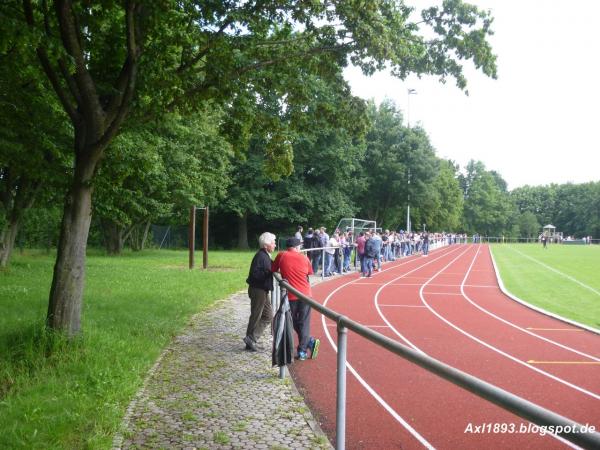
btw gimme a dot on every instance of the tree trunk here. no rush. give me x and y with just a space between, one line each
9 235
66 293
134 237
243 231
113 237
15 206
145 235
96 121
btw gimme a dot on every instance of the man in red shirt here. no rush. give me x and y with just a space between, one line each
295 268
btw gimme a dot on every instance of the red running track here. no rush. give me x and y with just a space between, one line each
450 307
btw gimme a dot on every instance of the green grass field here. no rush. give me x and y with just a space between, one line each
532 274
59 395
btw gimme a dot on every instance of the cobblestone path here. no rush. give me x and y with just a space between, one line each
207 392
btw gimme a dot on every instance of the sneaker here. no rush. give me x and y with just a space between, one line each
250 345
302 356
313 344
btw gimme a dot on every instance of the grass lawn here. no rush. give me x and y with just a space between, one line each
526 270
58 395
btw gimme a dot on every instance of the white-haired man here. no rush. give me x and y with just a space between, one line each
260 283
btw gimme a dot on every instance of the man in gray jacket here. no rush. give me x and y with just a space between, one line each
260 283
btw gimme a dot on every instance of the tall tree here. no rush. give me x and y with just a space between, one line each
96 54
487 207
577 209
155 171
443 207
33 137
326 138
528 225
572 208
399 162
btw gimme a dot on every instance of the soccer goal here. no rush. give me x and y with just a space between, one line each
356 225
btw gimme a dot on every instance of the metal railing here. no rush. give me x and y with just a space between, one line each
532 240
562 426
396 254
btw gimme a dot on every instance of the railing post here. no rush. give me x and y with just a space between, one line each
323 264
340 427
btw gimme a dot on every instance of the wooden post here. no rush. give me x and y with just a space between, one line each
205 239
192 235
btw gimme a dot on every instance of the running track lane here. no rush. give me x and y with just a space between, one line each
449 306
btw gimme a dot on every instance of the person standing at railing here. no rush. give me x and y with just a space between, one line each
332 245
337 257
298 234
377 242
307 244
295 267
371 252
385 244
315 256
260 283
425 239
324 237
360 251
347 250
308 241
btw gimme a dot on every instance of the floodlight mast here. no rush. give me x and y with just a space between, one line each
408 206
409 92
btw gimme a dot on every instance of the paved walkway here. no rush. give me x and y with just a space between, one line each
207 392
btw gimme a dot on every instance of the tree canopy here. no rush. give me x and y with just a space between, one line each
114 61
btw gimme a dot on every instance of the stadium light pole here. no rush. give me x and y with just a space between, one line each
409 92
408 206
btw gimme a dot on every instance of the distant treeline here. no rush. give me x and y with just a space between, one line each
368 170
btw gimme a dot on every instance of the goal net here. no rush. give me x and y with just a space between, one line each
356 225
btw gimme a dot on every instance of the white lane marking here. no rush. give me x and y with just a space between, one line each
481 285
491 347
443 285
443 293
406 306
574 280
569 444
533 361
417 278
563 440
377 306
364 384
527 331
553 329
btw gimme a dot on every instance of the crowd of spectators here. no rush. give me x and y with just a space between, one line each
336 253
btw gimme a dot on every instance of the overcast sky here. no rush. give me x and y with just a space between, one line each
538 122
